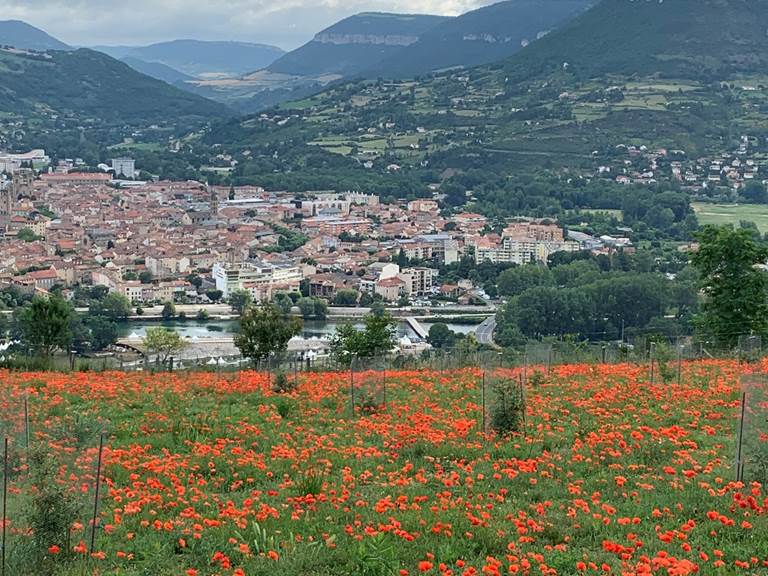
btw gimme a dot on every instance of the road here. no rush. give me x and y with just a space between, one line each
191 310
485 331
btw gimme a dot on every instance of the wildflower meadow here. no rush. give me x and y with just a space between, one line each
404 473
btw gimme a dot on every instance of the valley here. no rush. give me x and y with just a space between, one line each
292 288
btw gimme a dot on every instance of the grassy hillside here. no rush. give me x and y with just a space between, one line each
22 35
481 36
157 70
93 86
355 44
701 39
681 75
63 96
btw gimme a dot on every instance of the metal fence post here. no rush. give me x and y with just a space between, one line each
26 421
96 494
384 377
739 463
352 387
482 394
549 360
5 503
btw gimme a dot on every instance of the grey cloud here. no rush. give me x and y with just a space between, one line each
286 23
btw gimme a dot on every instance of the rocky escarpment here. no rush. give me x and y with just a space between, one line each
378 40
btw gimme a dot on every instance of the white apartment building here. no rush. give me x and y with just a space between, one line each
167 266
441 248
124 167
522 251
259 279
418 281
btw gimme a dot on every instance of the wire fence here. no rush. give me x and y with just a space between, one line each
52 470
658 351
62 460
752 441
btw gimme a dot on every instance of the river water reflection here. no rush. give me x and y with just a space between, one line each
226 328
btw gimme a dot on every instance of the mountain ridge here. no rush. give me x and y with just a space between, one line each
22 35
480 36
201 58
354 44
682 38
53 96
158 71
675 76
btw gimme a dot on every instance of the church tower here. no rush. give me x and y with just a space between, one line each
214 203
20 185
6 204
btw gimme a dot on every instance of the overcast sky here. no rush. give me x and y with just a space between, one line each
285 23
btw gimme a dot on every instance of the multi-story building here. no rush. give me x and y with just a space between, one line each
163 266
418 281
334 225
326 285
323 206
77 178
390 288
540 231
439 248
124 168
259 279
524 243
133 290
509 252
361 199
422 205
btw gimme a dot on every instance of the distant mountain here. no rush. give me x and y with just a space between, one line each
93 90
355 44
157 70
201 59
678 75
22 35
481 36
117 52
701 39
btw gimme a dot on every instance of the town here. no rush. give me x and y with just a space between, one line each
156 242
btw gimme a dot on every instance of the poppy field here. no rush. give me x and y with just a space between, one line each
218 474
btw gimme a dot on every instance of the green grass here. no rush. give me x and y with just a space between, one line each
142 146
721 214
618 214
299 104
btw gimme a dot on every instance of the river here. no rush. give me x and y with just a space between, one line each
225 328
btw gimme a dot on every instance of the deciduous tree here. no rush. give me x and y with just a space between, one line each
45 325
265 331
375 339
734 287
163 342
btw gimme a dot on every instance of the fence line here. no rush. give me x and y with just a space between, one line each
369 379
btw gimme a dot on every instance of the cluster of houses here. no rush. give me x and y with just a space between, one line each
186 241
642 165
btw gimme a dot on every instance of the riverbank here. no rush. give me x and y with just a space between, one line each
453 314
218 329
